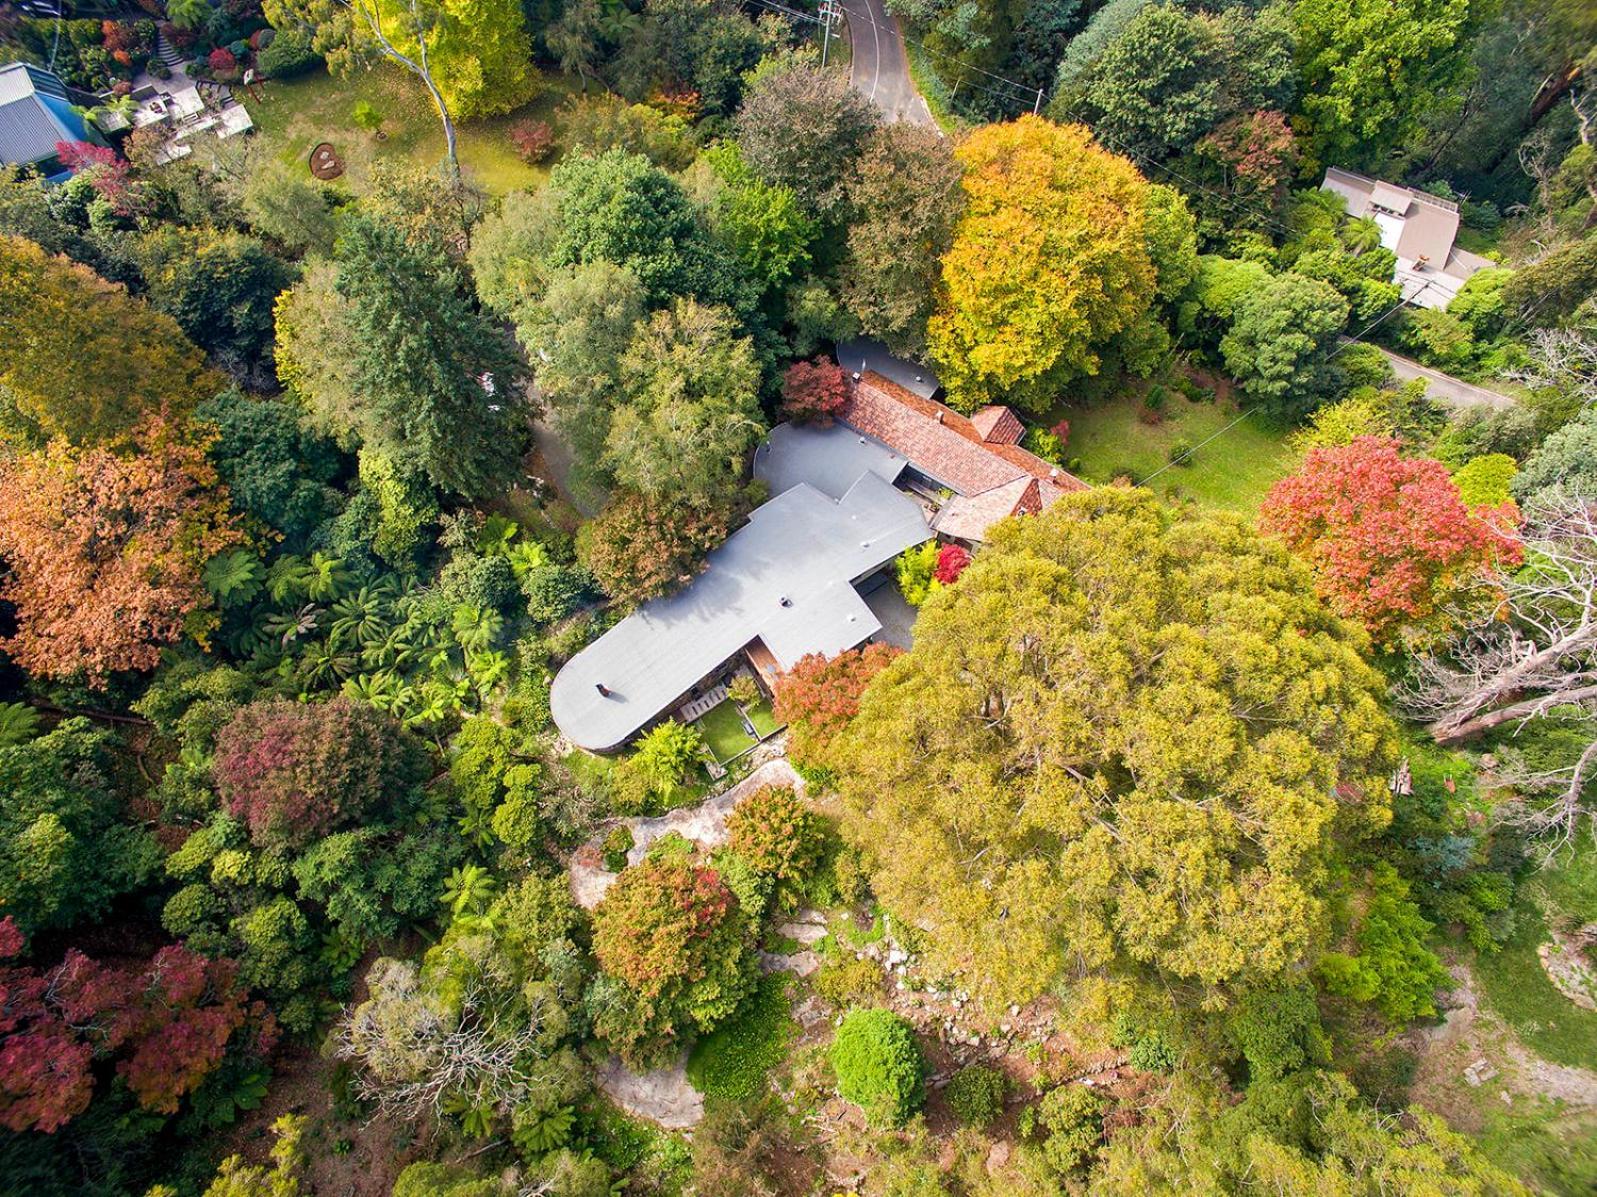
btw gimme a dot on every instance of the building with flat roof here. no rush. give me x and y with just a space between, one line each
781 587
36 113
1418 227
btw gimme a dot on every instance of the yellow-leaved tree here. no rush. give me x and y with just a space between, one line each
1125 742
1048 263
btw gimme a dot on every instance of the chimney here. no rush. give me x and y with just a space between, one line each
939 417
604 690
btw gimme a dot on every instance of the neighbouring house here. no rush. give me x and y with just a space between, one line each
37 112
1419 228
806 573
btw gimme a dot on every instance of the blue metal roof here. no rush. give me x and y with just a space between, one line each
35 114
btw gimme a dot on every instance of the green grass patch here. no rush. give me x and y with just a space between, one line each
1515 985
1231 473
722 728
1552 1151
763 718
734 1062
932 89
626 1143
297 114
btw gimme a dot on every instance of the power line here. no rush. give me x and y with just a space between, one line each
1350 341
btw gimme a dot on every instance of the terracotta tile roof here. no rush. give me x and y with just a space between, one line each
967 517
940 442
998 425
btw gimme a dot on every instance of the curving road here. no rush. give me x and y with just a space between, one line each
880 69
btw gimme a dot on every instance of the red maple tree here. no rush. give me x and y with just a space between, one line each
813 392
819 696
106 550
168 1023
951 562
1391 542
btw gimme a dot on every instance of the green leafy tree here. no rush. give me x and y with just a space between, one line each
576 335
1280 339
803 128
906 197
1369 68
638 548
1155 90
690 411
275 469
621 208
1086 796
1391 967
219 286
1566 462
764 224
67 847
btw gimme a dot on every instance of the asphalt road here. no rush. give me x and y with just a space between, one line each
880 69
1444 388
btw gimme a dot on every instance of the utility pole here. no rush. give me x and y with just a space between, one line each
829 14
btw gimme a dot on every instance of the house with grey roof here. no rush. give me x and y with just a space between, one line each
781 587
37 111
1418 227
893 470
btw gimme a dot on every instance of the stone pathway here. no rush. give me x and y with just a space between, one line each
704 824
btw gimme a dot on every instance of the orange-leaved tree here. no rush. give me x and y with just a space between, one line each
106 549
1391 542
1049 262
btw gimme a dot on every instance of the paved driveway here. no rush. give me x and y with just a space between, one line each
1444 388
880 69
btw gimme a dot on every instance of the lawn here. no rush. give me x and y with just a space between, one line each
297 114
1516 986
764 720
1232 473
723 731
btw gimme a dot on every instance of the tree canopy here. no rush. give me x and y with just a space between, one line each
1048 263
1140 744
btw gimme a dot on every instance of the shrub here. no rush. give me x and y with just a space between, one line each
554 592
976 1094
221 59
914 569
951 562
744 690
367 116
849 980
879 1066
777 834
734 1060
654 777
1181 452
616 846
534 140
1072 1116
289 54
1484 481
1044 444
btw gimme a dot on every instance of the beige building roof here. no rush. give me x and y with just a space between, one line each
1418 227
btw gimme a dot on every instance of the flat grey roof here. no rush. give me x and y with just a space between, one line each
830 459
803 547
864 353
